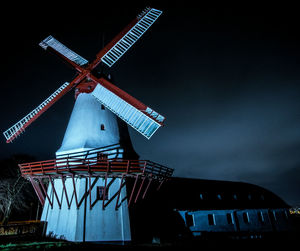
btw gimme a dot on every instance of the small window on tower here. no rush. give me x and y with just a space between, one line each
102 127
100 193
102 107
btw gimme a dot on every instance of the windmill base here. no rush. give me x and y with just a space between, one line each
86 213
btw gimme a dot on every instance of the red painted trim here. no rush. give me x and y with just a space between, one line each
45 192
160 184
92 165
65 190
133 189
104 192
140 189
122 94
74 191
85 87
119 191
75 81
146 190
54 190
37 190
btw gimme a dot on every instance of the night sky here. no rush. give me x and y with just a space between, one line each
226 77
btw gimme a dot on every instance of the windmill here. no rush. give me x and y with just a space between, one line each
88 188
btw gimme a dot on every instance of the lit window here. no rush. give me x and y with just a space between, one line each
102 127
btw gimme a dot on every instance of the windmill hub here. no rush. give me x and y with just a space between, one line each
86 86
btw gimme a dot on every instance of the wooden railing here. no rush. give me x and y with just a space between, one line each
74 165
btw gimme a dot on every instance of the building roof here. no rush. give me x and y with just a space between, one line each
198 194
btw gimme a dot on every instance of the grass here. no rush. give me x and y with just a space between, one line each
35 245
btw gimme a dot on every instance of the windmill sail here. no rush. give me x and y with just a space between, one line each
134 113
14 131
61 49
144 21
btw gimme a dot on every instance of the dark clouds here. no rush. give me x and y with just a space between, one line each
226 78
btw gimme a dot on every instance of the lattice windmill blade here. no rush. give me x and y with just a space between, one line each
71 57
111 53
50 43
14 131
139 116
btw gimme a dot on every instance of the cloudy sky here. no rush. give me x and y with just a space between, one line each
226 78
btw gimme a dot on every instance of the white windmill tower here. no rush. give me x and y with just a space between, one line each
87 197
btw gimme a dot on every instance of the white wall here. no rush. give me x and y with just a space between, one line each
99 225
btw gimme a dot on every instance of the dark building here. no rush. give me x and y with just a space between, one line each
203 209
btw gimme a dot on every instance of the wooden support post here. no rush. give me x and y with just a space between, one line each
104 192
119 192
146 190
159 186
140 189
133 189
37 191
45 192
54 190
90 191
74 187
65 190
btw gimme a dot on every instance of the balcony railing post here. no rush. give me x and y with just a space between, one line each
108 166
55 164
128 166
144 168
68 165
42 167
